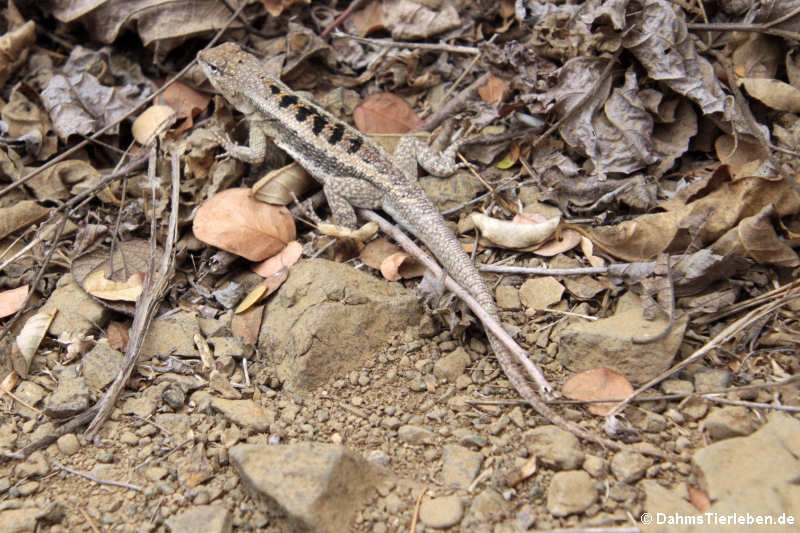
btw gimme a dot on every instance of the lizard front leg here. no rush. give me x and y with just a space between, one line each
411 151
256 148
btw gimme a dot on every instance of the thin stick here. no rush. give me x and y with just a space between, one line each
98 480
415 516
355 4
471 50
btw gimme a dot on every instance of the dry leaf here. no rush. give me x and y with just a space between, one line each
514 235
247 324
276 7
385 113
743 157
14 49
510 158
587 247
99 286
154 120
773 93
281 186
518 475
118 337
376 251
237 223
597 384
400 265
282 261
11 300
699 499
262 290
494 90
29 339
368 20
185 101
569 240
20 215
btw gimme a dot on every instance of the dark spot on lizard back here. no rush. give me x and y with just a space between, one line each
287 100
319 124
336 134
274 89
355 144
302 113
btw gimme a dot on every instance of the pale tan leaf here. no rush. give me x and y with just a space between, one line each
523 472
11 300
569 240
773 93
262 290
597 384
129 290
494 90
699 499
154 120
587 247
283 260
20 215
400 265
512 235
237 223
29 339
281 186
376 251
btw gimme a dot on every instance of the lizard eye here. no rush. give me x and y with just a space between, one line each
213 68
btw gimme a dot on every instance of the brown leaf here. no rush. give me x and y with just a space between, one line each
282 261
597 384
233 221
128 290
14 49
518 475
699 499
773 93
20 215
569 240
400 265
376 251
368 20
385 113
186 102
12 299
262 290
117 334
247 324
495 90
276 7
153 120
29 339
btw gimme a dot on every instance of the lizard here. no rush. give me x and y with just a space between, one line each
356 172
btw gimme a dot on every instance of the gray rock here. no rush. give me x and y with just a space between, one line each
608 342
469 438
245 413
30 393
101 365
20 520
595 466
202 519
317 487
629 467
456 190
441 513
68 444
554 447
672 501
646 420
729 421
230 347
487 506
541 292
415 434
507 298
677 386
172 335
710 380
452 365
571 491
460 465
35 465
695 408
70 397
77 311
328 319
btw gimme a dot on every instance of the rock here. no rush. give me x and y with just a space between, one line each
30 393
668 502
695 408
101 365
469 438
554 447
35 465
729 421
571 491
595 466
68 444
677 386
230 347
460 466
441 513
452 365
507 298
608 342
77 311
629 467
541 292
247 414
173 335
453 192
202 519
19 520
711 380
487 506
646 420
70 398
317 487
415 434
329 319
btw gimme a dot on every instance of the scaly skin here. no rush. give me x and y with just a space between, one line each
356 172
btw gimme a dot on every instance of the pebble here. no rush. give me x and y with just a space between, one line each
460 465
442 512
68 444
629 467
571 491
415 434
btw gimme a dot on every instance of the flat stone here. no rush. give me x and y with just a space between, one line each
202 519
712 379
647 421
30 393
541 292
173 334
677 386
629 467
70 398
415 434
77 311
460 465
595 466
101 365
729 421
245 413
554 447
316 487
669 501
571 491
609 342
507 298
329 319
452 365
441 513
230 347
487 506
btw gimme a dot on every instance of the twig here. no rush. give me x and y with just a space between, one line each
98 480
355 4
759 405
738 26
441 47
415 516
92 522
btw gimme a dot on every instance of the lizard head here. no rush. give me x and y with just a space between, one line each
232 71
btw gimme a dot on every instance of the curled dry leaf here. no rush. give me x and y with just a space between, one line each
743 157
282 261
523 472
11 300
494 90
20 215
569 240
128 290
514 235
281 186
400 265
262 290
587 247
234 221
186 102
510 158
154 120
29 339
376 251
14 49
368 20
367 231
385 113
597 384
118 336
276 7
773 93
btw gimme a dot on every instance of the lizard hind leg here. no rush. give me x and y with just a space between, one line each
344 193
